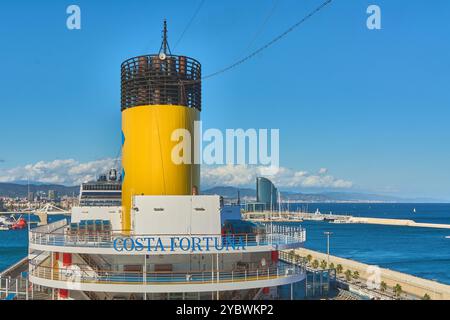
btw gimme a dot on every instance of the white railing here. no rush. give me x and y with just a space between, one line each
108 240
50 228
77 274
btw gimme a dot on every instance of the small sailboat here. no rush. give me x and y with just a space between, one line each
414 210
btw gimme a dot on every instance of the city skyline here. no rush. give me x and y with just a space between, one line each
368 116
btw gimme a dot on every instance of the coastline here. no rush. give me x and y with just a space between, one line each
411 285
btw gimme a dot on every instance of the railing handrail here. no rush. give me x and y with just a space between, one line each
106 240
287 266
121 233
187 276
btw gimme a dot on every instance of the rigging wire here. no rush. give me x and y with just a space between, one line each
263 25
189 23
269 44
261 49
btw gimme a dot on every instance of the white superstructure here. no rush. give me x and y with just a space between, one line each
178 249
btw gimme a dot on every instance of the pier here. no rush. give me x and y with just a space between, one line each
286 217
42 213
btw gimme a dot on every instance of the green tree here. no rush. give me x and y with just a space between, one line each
323 264
356 275
398 290
309 258
348 275
315 264
383 286
331 265
426 297
339 268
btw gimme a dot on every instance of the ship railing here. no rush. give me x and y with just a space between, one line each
51 227
108 239
79 274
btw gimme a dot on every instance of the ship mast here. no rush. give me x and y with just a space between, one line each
165 44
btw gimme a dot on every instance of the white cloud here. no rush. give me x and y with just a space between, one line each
244 176
66 172
72 172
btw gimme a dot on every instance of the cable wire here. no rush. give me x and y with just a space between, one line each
263 25
278 38
189 23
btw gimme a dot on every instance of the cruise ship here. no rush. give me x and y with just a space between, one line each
148 233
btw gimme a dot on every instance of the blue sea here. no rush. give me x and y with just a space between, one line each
423 252
14 244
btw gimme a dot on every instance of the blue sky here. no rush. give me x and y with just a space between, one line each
370 106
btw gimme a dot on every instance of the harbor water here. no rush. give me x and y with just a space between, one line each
423 252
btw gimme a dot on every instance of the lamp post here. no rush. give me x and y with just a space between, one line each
328 234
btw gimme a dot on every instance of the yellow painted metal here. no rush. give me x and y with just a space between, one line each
147 154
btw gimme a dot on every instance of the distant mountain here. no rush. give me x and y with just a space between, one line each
341 196
231 193
26 182
21 190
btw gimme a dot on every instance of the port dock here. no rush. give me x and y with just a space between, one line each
286 217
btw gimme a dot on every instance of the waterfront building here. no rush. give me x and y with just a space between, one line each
266 197
52 195
266 193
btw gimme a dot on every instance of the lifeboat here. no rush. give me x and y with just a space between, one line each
19 224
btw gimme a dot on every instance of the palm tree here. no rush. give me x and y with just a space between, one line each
383 286
292 255
398 290
339 268
323 264
309 258
331 266
356 275
315 264
348 275
426 297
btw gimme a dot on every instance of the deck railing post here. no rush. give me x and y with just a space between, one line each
26 288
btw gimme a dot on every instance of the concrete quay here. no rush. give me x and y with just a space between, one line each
268 216
397 222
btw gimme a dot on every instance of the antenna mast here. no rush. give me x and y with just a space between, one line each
165 44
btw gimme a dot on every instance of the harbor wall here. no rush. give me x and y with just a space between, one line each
410 284
398 222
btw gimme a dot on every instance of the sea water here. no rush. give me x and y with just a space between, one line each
423 252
